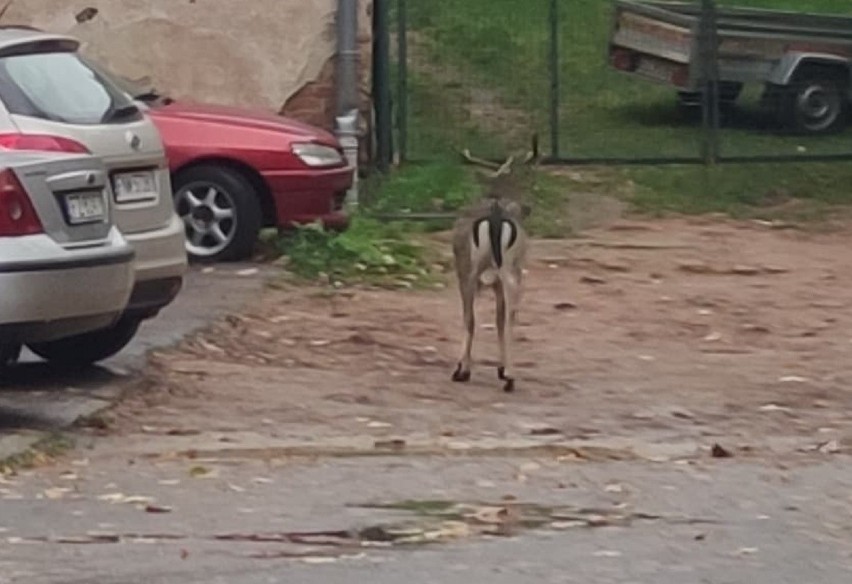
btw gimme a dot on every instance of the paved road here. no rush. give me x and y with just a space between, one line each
720 522
38 399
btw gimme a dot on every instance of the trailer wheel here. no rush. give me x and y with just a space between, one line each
815 102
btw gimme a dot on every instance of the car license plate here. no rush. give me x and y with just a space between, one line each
85 208
135 187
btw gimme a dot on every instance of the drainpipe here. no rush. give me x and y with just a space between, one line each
347 87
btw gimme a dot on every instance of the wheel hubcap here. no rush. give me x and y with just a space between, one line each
209 217
818 106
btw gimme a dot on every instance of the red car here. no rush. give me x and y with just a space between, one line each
235 171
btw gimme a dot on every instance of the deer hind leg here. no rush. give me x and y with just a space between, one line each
462 372
504 292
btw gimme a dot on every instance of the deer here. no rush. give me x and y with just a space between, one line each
489 248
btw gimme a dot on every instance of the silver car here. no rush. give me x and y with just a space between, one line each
50 99
65 269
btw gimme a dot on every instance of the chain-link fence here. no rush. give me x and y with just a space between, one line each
621 81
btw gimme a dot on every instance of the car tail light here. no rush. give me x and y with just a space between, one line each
623 59
17 215
680 76
41 142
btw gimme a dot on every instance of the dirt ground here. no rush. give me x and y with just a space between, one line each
666 331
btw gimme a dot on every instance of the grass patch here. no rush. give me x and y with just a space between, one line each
421 188
369 252
743 191
467 47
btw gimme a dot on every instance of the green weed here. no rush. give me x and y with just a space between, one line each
368 252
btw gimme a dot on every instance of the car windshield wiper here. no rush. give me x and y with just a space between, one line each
124 111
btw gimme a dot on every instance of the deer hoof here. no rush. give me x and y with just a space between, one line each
461 375
509 386
501 373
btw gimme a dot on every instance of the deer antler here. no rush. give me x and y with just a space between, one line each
505 168
479 161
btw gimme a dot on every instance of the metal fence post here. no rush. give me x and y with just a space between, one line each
402 80
381 84
553 65
708 50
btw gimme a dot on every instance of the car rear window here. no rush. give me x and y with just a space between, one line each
59 86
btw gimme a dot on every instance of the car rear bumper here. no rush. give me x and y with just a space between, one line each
63 294
160 266
305 196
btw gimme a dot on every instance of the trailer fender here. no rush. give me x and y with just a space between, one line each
784 72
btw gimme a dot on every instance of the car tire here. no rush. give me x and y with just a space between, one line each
80 351
235 208
814 103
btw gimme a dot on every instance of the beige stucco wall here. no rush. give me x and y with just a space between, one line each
273 54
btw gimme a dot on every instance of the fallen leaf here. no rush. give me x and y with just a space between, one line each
774 408
694 267
607 554
490 515
199 471
571 524
396 444
236 488
745 270
448 530
208 346
755 328
719 452
318 559
682 413
151 508
544 431
565 306
183 432
56 492
91 538
137 499
122 498
830 447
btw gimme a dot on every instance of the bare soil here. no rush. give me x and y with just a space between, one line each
679 329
